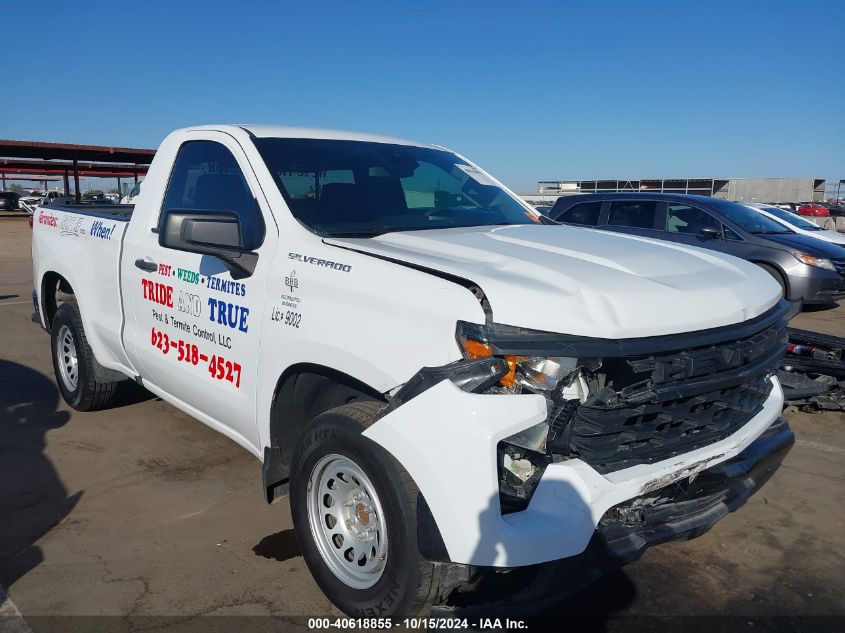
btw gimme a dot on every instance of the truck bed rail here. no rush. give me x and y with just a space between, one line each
112 211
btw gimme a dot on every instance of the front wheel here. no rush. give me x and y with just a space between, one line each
354 510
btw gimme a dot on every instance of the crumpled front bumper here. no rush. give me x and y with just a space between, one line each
446 439
626 531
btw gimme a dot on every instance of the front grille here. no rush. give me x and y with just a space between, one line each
839 264
656 406
614 438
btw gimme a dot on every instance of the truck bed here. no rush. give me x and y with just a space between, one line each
82 244
121 212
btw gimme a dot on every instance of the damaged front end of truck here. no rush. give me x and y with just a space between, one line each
617 404
682 510
621 414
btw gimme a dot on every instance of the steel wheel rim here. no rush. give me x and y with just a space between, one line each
67 358
347 522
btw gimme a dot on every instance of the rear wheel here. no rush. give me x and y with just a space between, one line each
354 510
74 363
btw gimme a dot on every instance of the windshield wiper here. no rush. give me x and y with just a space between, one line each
381 230
375 232
771 232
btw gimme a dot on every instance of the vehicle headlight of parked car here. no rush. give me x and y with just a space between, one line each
818 262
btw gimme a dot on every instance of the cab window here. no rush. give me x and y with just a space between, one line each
206 177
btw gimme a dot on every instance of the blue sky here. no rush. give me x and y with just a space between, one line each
529 90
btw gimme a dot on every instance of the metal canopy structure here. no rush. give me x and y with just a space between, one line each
66 159
68 151
11 166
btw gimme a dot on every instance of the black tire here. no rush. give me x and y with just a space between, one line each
778 277
89 394
408 583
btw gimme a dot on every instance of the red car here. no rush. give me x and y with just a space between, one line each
815 210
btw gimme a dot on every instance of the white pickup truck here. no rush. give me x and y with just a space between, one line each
471 407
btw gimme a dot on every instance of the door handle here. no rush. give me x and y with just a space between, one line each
143 264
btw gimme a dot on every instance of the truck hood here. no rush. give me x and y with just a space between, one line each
587 282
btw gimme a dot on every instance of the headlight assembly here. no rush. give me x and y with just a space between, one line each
535 372
818 262
531 362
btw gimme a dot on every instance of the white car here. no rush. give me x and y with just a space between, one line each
36 198
31 200
797 223
449 385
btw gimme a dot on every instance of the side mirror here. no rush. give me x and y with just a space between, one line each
710 232
216 233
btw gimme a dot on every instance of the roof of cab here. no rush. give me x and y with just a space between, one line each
282 131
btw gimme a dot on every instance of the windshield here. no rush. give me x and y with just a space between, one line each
362 188
747 218
791 218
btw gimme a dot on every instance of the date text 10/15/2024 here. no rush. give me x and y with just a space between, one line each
421 623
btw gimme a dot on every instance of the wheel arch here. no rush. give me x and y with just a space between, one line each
302 392
52 284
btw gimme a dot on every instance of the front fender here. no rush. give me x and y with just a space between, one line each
446 439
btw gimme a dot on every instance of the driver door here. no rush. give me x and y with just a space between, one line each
196 330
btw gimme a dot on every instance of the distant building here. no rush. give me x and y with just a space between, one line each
741 189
